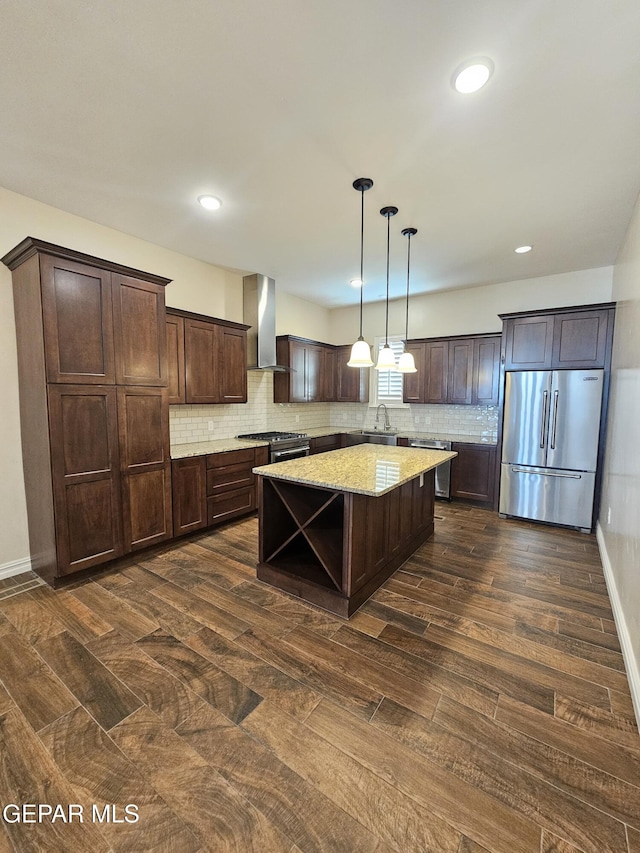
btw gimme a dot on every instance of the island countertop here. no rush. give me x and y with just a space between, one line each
366 469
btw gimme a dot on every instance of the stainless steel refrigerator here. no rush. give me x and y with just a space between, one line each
550 445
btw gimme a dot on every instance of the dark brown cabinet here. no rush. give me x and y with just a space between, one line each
351 383
564 338
94 413
175 360
231 489
209 490
189 487
460 372
454 370
324 443
473 472
145 464
207 359
85 467
319 373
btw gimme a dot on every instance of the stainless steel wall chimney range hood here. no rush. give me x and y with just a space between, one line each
259 311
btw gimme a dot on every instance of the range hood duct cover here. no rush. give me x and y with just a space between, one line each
259 312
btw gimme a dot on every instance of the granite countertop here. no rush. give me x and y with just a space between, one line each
219 445
366 469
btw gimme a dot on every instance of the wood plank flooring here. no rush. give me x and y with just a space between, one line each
477 703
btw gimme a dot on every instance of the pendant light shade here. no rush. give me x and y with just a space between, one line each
406 364
361 351
386 358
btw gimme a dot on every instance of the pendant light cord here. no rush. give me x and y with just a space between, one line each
406 329
361 254
386 330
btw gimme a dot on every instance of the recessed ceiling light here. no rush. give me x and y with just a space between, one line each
521 250
209 202
355 282
472 75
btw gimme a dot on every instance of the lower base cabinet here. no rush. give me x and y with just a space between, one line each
473 473
324 443
209 490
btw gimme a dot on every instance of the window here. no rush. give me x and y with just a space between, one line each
387 385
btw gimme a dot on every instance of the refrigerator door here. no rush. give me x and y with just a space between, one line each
541 494
574 423
526 417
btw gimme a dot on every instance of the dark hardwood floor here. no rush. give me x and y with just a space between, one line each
478 702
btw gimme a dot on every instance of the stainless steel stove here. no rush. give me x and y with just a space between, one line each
282 445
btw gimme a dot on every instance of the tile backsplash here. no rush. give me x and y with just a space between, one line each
434 419
205 423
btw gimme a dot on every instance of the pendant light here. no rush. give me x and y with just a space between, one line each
361 351
406 364
386 358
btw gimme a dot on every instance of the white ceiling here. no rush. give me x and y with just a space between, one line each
124 112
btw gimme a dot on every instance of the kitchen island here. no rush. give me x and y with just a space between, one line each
334 527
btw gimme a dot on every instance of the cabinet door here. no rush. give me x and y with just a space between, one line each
298 378
352 383
580 339
473 472
78 322
414 383
140 333
201 354
232 365
143 422
528 343
460 370
188 489
86 477
315 373
328 377
486 371
436 371
175 360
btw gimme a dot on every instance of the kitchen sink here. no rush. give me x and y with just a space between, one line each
372 436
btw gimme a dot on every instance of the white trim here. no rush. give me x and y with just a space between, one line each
631 665
15 567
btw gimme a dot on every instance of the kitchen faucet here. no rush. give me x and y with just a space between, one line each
387 424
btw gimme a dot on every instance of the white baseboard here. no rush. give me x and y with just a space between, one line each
630 662
15 567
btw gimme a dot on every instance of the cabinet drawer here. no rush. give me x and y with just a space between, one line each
230 504
229 478
231 457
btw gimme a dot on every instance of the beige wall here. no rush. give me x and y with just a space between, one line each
473 310
196 286
619 530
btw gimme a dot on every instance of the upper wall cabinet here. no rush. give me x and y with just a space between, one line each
455 370
319 373
352 384
207 359
100 327
557 339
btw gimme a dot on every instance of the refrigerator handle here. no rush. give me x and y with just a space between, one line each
556 394
545 401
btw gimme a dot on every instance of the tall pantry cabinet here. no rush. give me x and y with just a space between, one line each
93 406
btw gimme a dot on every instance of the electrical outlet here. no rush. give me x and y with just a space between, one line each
210 426
297 419
427 420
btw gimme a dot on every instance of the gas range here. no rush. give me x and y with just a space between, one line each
282 445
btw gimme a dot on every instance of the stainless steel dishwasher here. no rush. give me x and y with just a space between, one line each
443 472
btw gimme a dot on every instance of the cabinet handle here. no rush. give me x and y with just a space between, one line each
545 401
